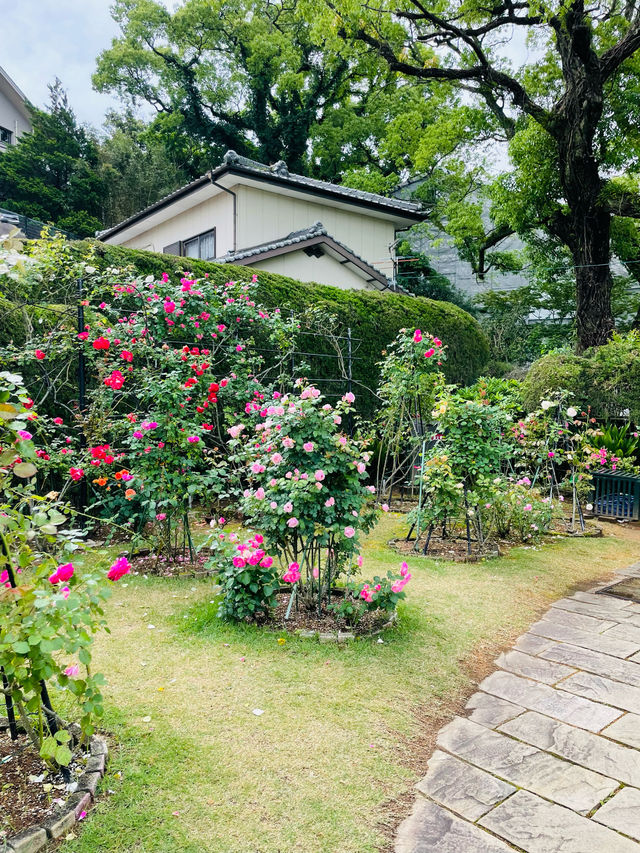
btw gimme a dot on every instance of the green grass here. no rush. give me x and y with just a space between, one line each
342 725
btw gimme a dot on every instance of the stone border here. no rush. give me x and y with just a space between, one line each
36 837
344 636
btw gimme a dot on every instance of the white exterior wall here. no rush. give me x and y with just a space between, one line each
216 212
13 119
323 270
265 215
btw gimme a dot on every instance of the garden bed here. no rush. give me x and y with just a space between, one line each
40 805
325 623
455 547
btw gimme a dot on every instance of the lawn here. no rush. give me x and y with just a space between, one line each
344 731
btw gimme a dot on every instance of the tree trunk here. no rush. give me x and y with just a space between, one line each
591 254
586 226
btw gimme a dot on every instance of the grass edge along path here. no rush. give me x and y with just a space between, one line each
329 764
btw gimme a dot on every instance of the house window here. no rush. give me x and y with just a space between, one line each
5 136
203 246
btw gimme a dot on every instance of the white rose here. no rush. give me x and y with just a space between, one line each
571 412
546 404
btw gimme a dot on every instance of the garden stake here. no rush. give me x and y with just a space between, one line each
428 539
13 729
415 547
295 590
466 518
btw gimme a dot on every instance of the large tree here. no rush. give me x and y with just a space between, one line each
247 75
570 114
54 173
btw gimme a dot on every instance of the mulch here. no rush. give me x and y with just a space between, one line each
29 793
309 620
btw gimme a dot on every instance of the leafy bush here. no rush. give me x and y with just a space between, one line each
48 610
518 511
374 317
249 583
307 490
605 380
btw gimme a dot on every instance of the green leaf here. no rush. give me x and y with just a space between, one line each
63 755
25 470
21 648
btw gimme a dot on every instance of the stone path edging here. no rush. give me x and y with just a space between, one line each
36 838
548 759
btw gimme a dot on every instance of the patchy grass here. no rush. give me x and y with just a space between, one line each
345 731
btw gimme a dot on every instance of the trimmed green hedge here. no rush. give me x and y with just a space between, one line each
374 317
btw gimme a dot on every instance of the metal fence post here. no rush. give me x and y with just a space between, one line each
82 404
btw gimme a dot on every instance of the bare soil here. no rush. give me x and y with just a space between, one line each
309 620
29 793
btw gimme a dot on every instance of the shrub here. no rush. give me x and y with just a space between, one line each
307 490
249 583
606 379
48 610
374 317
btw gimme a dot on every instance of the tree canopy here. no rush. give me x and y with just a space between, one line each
250 75
53 173
568 114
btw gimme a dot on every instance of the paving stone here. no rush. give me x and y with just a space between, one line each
625 632
616 668
598 611
576 745
611 600
98 745
432 829
601 689
622 812
490 711
60 824
540 827
635 658
29 841
626 729
578 620
554 703
532 644
462 788
525 766
532 667
578 637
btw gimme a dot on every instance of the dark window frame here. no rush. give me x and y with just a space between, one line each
6 136
198 237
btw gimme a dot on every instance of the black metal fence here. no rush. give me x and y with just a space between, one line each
31 228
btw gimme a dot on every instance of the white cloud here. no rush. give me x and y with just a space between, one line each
44 39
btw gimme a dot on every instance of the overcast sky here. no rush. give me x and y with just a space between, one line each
42 39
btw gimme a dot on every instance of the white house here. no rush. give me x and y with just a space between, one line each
244 212
14 115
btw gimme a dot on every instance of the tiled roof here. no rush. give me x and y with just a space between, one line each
281 171
315 230
277 174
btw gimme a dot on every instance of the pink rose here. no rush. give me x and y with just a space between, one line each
292 522
349 532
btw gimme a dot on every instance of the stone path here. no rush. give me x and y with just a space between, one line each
548 758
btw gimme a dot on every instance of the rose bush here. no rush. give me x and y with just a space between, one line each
48 609
306 489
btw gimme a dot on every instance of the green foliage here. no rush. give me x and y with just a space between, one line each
618 440
416 275
605 380
515 511
247 75
53 173
48 613
375 318
249 584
